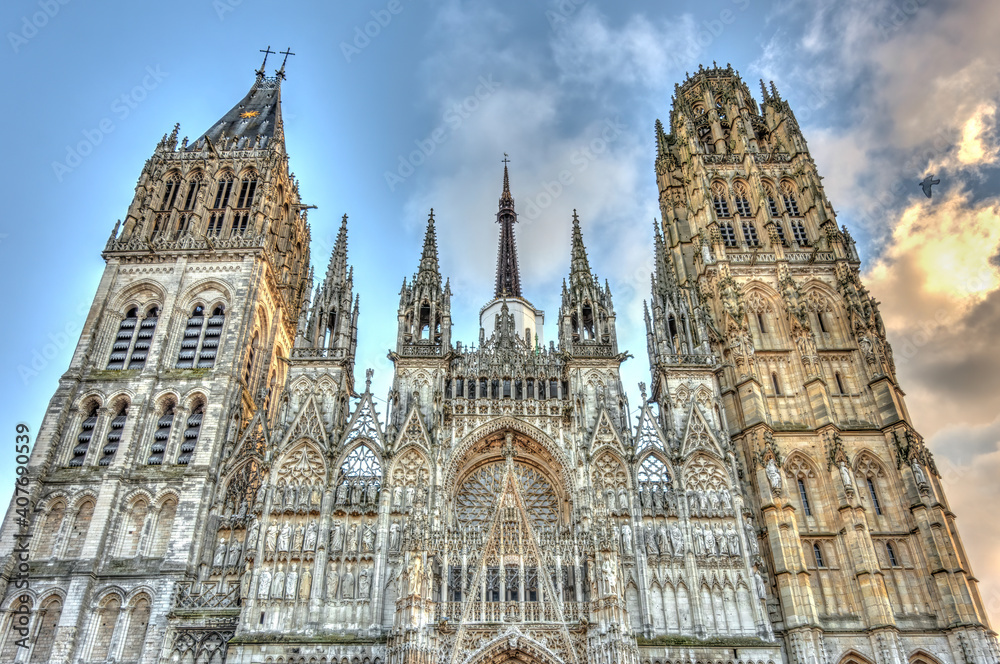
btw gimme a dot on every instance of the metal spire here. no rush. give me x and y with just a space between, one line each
508 276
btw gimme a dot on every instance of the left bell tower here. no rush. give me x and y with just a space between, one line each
186 341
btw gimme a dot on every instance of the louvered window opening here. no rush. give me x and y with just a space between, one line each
123 341
83 440
799 233
743 206
728 235
114 438
750 234
140 351
200 343
781 233
160 438
190 436
721 207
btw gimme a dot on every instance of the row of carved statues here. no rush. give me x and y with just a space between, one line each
294 584
706 539
656 498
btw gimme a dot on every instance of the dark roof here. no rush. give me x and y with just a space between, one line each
257 115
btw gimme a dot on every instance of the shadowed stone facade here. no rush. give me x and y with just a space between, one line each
209 484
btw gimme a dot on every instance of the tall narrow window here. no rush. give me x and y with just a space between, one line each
705 138
123 340
840 383
775 383
140 351
721 204
83 439
247 189
781 233
213 333
760 322
107 620
192 193
750 234
799 233
772 205
804 497
160 437
742 200
138 620
218 214
191 434
874 494
192 337
728 234
170 190
788 197
114 437
893 561
822 323
45 637
248 368
818 555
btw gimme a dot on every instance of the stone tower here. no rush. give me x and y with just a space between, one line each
757 294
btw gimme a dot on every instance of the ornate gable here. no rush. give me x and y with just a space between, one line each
364 424
698 435
648 434
606 433
308 424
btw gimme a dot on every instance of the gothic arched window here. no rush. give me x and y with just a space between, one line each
138 620
720 200
818 555
653 471
247 190
170 189
788 197
720 109
874 494
804 497
218 214
123 340
891 552
776 383
143 340
200 344
799 233
45 637
750 234
107 619
161 436
114 436
742 200
83 439
361 469
194 186
191 433
251 353
705 138
728 234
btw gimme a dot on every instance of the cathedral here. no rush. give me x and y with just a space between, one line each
212 483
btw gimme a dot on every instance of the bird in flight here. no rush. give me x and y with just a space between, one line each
926 185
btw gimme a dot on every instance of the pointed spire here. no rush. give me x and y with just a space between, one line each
579 267
337 269
429 256
508 276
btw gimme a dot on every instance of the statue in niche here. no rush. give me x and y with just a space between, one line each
253 534
372 493
610 576
734 540
627 539
677 539
721 542
233 559
245 581
364 584
693 502
357 493
368 537
414 575
622 500
347 585
271 538
291 584
305 585
289 499
397 498
662 540
394 537
751 534
284 537
337 537
714 501
758 581
352 537
332 583
258 503
303 501
220 554
315 498
699 540
409 497
342 493
650 541
309 544
918 473
773 476
727 500
264 584
845 476
278 585
297 541
709 541
656 498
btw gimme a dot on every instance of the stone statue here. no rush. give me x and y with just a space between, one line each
342 494
693 502
271 538
751 534
409 496
284 536
699 540
394 537
371 493
356 493
710 549
610 576
291 584
298 537
315 498
414 574
264 585
278 585
220 554
758 581
364 584
715 501
773 476
332 583
352 537
845 476
727 500
662 540
734 540
309 543
337 537
258 502
622 500
677 539
233 559
650 541
627 539
305 586
245 584
918 473
721 542
397 497
347 585
289 499
368 537
253 534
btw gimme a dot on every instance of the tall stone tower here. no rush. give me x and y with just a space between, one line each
757 294
186 342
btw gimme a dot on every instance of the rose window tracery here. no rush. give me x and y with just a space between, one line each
476 497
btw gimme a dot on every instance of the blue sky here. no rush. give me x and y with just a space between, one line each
885 90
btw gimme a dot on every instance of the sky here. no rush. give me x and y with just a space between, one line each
392 107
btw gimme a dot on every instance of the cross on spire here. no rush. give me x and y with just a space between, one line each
260 72
286 53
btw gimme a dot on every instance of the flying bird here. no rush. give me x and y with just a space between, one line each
926 185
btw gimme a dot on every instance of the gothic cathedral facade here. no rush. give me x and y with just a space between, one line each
210 483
